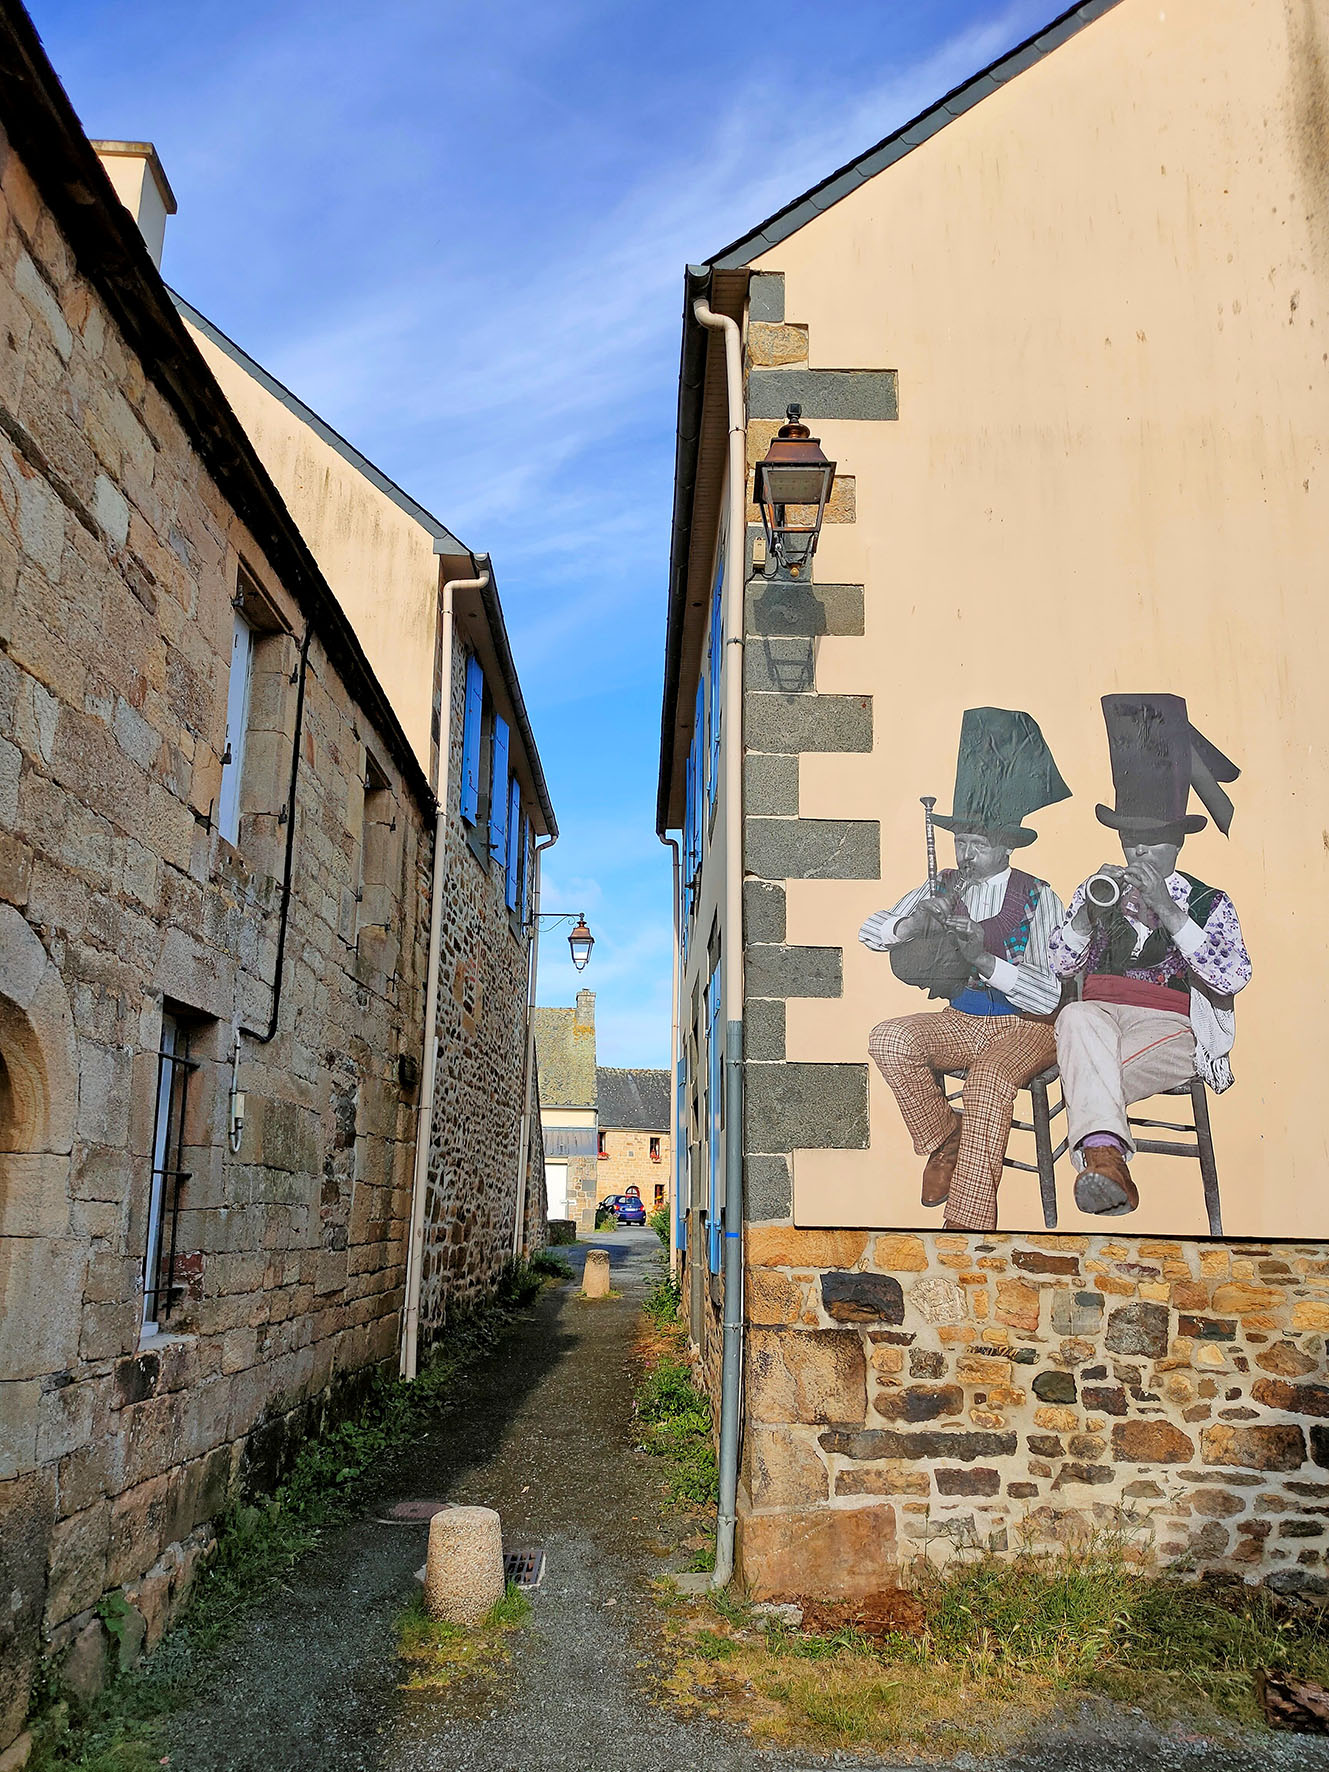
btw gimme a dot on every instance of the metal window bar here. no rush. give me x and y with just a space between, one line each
173 1072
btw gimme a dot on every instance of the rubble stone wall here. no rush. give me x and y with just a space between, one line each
907 1393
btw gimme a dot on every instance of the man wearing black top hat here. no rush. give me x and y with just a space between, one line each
1161 965
998 979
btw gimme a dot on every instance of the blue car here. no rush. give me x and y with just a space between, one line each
631 1211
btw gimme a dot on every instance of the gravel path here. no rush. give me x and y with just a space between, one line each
543 1433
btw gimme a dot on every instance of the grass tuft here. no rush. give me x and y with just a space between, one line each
438 1655
1005 1645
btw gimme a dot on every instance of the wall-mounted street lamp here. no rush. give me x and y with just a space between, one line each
792 486
580 941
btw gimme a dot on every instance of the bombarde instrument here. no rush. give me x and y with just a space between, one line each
933 961
1102 891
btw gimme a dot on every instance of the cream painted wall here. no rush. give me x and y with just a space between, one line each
377 558
1105 292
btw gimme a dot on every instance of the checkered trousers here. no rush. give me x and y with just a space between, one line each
1001 1053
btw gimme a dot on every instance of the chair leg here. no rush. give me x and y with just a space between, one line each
1208 1167
1047 1180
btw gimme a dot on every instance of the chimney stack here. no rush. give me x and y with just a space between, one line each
583 1017
141 185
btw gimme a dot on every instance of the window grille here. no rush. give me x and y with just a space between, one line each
169 1178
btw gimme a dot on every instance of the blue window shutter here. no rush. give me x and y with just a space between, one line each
514 841
717 676
689 849
498 795
527 869
470 740
698 756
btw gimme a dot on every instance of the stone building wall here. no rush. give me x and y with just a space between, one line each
583 1190
119 561
909 1393
628 1163
481 1076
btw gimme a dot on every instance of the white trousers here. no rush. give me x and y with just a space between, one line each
1112 1054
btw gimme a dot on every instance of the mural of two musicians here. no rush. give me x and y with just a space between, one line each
1127 989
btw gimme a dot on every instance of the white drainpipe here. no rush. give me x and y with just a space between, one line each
424 1126
524 1142
731 1388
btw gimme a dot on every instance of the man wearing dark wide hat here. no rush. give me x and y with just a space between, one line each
997 975
1161 966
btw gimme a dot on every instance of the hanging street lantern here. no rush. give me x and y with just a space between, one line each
792 486
581 941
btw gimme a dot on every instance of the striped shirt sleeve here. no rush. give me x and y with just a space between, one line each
879 930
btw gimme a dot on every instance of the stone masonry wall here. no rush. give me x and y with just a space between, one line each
480 1083
628 1163
119 561
906 1393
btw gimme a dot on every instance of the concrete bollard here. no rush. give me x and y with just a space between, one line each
595 1276
464 1567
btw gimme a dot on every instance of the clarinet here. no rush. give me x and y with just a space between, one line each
928 801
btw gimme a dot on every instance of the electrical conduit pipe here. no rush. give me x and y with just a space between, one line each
424 1126
731 1370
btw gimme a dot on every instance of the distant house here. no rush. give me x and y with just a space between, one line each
565 1065
634 1148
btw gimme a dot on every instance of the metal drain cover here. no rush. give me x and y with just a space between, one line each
413 1513
525 1565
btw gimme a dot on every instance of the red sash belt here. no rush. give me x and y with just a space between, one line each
1105 987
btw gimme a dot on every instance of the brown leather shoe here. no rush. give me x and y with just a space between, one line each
940 1167
1104 1185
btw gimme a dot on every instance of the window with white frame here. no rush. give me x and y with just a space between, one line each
237 725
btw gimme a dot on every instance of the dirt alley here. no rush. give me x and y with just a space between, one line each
543 1431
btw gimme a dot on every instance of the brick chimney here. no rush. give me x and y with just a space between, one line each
141 185
583 1019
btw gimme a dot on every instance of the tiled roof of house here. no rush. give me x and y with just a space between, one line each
636 1101
565 1058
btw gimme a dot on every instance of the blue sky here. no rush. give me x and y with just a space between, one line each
459 232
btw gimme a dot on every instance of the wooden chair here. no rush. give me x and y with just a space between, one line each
1202 1147
1043 1114
1048 1154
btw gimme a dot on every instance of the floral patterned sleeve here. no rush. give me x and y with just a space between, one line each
1068 953
1216 952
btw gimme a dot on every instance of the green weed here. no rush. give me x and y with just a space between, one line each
659 1223
437 1655
1003 1645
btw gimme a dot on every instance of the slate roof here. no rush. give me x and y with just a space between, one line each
911 135
636 1101
564 1059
